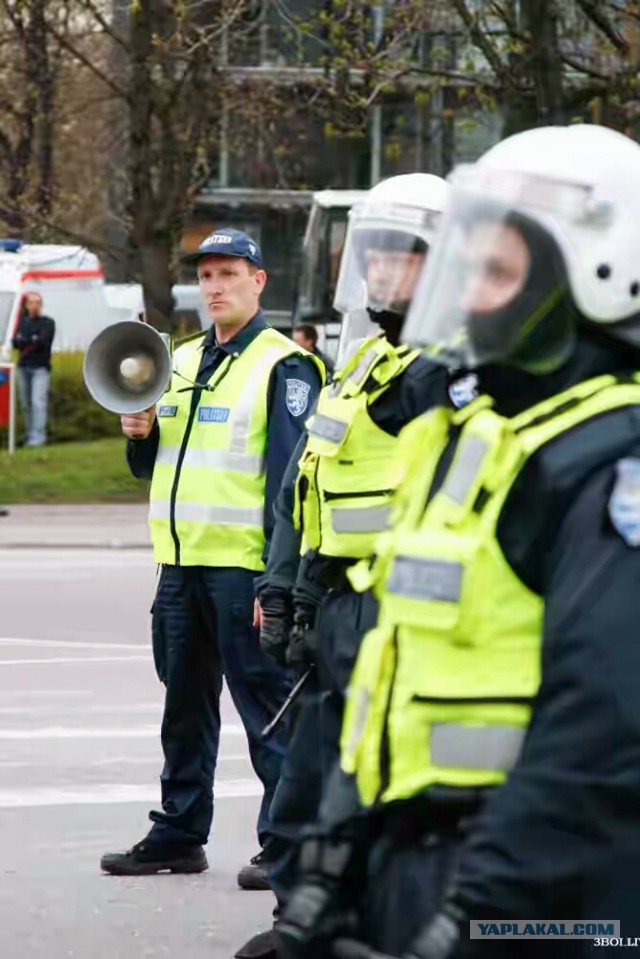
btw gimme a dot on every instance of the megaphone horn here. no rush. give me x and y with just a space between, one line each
127 367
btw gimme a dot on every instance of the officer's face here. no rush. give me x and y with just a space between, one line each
392 275
496 264
231 288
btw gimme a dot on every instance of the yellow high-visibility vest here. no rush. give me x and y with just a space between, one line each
443 687
208 487
347 473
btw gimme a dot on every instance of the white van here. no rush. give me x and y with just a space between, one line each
190 313
70 281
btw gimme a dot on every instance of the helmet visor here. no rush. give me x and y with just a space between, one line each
479 270
356 328
496 270
384 253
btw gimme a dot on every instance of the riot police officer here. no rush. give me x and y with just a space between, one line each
336 493
491 745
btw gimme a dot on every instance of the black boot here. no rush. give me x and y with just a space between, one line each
254 876
260 946
148 858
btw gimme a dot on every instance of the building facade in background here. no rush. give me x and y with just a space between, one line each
276 149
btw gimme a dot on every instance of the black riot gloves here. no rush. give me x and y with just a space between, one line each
277 620
303 641
287 631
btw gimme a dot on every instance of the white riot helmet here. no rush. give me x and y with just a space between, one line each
540 234
387 237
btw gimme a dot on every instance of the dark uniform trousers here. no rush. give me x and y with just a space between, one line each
315 727
202 631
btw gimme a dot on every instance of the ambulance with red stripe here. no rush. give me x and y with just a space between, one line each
70 281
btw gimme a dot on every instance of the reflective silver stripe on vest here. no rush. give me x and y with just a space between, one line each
361 711
210 459
244 407
363 366
327 428
426 579
475 747
212 515
372 519
464 468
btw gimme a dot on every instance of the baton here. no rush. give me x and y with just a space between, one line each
287 704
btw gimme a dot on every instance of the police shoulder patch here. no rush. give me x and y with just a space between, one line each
464 390
624 504
297 397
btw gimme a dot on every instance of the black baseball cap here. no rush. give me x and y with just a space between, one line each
228 243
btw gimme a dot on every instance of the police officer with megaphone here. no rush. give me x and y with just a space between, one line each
233 404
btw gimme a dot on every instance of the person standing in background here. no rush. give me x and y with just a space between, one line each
33 340
306 336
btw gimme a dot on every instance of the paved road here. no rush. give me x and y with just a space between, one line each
79 765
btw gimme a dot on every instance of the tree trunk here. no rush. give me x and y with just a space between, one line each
537 100
153 239
19 164
155 262
116 261
42 78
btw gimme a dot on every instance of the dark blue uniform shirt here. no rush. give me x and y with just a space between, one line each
285 419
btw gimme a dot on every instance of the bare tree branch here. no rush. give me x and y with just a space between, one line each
482 41
91 65
593 10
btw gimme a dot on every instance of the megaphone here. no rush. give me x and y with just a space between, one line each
128 367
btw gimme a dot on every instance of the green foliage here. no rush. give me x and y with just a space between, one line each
70 473
73 415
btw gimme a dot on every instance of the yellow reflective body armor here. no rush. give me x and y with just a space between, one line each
348 470
218 512
443 687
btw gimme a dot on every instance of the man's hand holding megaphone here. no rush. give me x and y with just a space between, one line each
137 426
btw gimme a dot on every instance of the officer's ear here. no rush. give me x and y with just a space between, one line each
259 278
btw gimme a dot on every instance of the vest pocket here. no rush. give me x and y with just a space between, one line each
355 515
329 497
431 585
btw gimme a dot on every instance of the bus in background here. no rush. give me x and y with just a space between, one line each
321 252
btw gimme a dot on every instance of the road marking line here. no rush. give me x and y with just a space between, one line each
69 644
69 732
57 708
109 793
136 760
66 660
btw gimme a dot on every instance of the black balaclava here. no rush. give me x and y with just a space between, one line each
389 322
536 330
595 353
554 345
